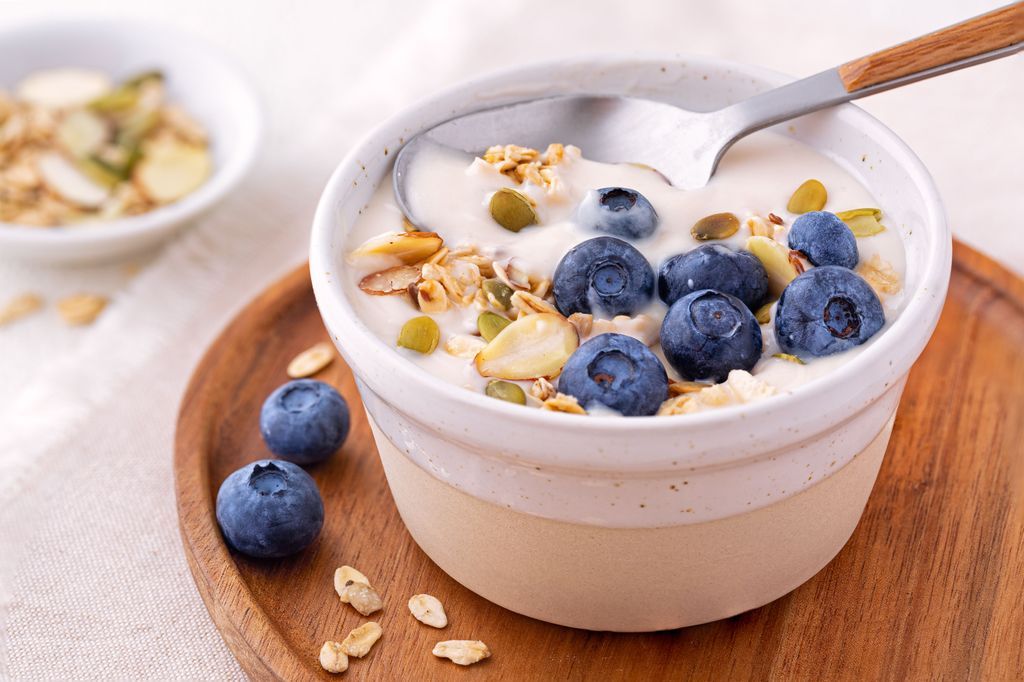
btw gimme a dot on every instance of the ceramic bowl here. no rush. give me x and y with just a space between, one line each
198 77
642 523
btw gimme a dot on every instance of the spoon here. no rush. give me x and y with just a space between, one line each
685 146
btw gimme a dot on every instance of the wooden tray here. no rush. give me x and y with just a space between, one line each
929 586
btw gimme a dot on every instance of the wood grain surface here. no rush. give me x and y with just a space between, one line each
991 31
929 587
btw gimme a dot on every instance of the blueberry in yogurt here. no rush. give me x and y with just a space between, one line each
707 334
304 421
714 266
269 509
604 276
824 239
618 372
827 310
618 211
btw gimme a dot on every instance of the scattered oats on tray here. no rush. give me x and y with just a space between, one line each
75 148
19 307
310 361
359 642
81 309
462 651
428 610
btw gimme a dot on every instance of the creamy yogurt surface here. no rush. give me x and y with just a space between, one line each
450 194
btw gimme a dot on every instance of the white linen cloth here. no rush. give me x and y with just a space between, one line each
93 581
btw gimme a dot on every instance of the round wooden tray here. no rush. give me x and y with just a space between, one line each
928 586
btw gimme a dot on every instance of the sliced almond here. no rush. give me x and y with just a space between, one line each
63 88
81 133
408 247
533 346
392 281
170 170
775 259
67 182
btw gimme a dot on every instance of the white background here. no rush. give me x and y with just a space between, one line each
91 571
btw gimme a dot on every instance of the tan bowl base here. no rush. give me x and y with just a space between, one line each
631 580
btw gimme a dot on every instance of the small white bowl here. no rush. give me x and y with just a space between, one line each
201 79
643 523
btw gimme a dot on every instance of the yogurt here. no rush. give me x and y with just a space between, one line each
449 193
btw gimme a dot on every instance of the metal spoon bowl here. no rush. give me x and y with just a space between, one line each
686 146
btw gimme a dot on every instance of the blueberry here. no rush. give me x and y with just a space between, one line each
714 266
269 509
603 275
304 421
824 239
619 211
827 310
616 371
708 333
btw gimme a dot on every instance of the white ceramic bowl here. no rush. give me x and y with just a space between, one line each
198 77
641 523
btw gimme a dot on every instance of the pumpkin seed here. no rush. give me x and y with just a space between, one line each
854 212
810 196
512 210
408 247
764 313
715 226
507 391
863 222
789 358
532 346
498 293
420 334
775 259
490 325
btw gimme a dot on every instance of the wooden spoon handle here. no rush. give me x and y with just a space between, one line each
991 31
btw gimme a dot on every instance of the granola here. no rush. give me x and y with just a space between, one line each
75 147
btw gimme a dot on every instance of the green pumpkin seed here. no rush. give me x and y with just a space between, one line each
810 196
789 358
715 226
420 334
507 391
490 325
498 292
853 213
512 210
863 222
764 313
